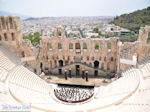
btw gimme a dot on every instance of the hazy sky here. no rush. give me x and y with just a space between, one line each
41 8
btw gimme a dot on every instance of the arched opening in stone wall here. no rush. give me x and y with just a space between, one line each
49 45
0 38
11 23
41 65
96 64
59 46
5 36
23 54
70 46
148 39
3 23
13 37
59 33
108 46
60 63
77 46
84 46
96 46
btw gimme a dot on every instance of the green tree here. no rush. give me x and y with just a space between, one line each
96 46
96 30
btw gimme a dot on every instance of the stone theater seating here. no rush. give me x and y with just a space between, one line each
129 93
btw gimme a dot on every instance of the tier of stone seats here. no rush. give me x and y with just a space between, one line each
121 84
146 69
130 93
10 55
5 62
23 77
3 74
141 96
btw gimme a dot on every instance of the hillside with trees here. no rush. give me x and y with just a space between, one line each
133 21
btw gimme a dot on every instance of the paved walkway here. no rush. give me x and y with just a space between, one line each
76 80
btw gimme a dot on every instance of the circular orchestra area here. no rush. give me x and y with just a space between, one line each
73 93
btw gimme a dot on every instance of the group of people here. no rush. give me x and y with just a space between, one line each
73 94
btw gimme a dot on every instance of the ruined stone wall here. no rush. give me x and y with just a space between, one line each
53 50
10 31
139 48
11 37
106 57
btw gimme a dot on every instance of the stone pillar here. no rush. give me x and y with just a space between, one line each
86 76
83 70
70 73
66 75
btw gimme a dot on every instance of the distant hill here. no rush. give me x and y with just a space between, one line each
3 13
133 21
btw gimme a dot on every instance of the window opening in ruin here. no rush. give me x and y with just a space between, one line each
148 39
59 33
49 45
96 46
70 46
3 23
77 45
5 36
109 46
41 65
0 37
84 46
59 46
13 37
11 23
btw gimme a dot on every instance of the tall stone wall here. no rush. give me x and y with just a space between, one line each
99 53
10 31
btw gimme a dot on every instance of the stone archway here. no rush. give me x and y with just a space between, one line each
96 64
60 63
23 54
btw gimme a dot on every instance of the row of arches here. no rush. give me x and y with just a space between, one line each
106 59
78 46
6 22
6 37
96 63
